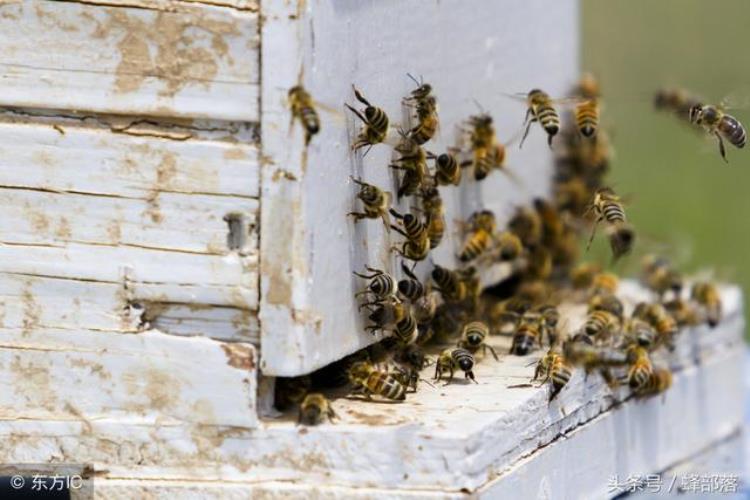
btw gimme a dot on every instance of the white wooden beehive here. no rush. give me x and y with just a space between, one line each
134 334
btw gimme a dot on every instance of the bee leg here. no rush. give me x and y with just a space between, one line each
358 216
591 238
399 231
367 151
526 132
332 414
492 350
722 150
470 375
360 97
359 115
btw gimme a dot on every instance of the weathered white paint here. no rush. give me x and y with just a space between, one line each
487 438
308 315
187 62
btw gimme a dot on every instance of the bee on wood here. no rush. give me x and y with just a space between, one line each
368 380
406 330
581 353
606 302
304 111
449 284
684 312
640 369
452 359
604 283
290 391
474 337
417 244
660 276
554 369
432 204
413 163
380 284
375 129
601 324
608 208
659 318
509 246
486 152
426 108
720 124
314 408
641 332
425 307
386 314
410 287
376 203
707 295
582 276
482 227
659 381
447 169
587 117
528 334
527 225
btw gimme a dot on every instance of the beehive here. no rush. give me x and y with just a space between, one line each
168 243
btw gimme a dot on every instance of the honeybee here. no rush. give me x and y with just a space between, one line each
424 308
509 246
640 369
314 408
426 107
386 315
375 121
290 391
380 284
587 117
304 111
447 169
659 381
658 317
583 275
641 332
601 324
555 369
588 87
721 124
572 194
707 295
550 318
449 284
474 244
487 153
581 353
660 276
539 265
552 223
452 359
433 207
474 337
414 357
606 302
608 207
528 333
368 380
678 101
406 330
685 313
376 203
527 225
604 283
541 110
413 162
410 287
417 244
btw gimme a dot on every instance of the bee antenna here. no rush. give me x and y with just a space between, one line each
395 214
414 79
479 106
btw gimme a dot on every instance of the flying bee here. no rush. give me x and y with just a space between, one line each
475 244
588 87
449 284
587 117
509 246
314 408
660 276
452 359
376 203
684 312
386 315
304 111
659 381
607 207
432 204
677 101
606 302
290 391
417 244
707 295
487 153
426 108
641 332
721 124
541 109
555 369
583 275
447 169
375 121
474 337
527 225
380 284
640 370
410 287
659 318
528 333
413 163
368 381
601 324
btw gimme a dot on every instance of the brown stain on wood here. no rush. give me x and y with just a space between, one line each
167 46
240 356
31 309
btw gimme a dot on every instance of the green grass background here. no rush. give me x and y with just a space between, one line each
684 200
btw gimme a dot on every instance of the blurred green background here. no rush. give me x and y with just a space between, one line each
684 200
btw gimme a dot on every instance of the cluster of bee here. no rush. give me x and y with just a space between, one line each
540 244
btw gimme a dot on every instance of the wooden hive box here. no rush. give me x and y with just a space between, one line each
169 246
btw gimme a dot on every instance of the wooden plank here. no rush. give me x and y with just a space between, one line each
307 286
198 61
146 379
30 303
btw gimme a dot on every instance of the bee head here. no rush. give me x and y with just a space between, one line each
443 160
310 414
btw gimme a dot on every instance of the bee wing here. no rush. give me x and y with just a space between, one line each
518 96
337 114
